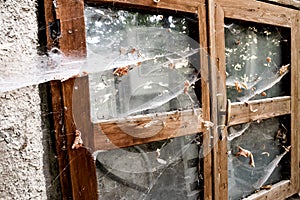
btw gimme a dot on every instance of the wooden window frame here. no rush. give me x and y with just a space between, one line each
264 13
77 167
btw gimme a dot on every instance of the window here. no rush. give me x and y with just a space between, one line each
253 61
176 89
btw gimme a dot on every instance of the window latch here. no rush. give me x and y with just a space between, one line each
222 114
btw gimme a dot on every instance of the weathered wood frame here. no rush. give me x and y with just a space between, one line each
264 13
78 177
77 168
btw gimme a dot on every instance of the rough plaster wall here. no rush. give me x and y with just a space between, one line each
21 146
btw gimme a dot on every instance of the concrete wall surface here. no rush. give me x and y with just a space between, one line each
24 170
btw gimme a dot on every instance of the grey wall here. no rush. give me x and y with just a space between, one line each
24 136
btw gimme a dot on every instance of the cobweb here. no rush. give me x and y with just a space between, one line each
256 61
149 65
257 66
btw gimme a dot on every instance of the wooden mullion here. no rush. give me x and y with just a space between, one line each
205 100
189 6
243 112
82 111
76 102
221 66
213 100
58 112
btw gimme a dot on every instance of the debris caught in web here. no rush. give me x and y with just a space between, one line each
246 153
235 133
145 68
77 141
257 63
270 168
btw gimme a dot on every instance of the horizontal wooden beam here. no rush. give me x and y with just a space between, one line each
280 190
258 109
292 3
259 12
175 5
128 132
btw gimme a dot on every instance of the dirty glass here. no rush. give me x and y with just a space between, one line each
142 63
257 60
258 155
159 170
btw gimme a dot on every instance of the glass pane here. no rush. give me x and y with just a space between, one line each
257 60
141 63
158 170
258 155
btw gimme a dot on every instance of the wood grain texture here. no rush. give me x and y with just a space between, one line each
60 138
73 39
206 167
255 110
295 100
222 131
82 111
213 75
80 182
259 110
255 11
58 113
81 163
280 190
290 3
190 6
128 132
49 17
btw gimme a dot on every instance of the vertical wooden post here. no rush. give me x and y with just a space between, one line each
222 110
60 139
77 167
295 92
81 164
213 99
205 85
